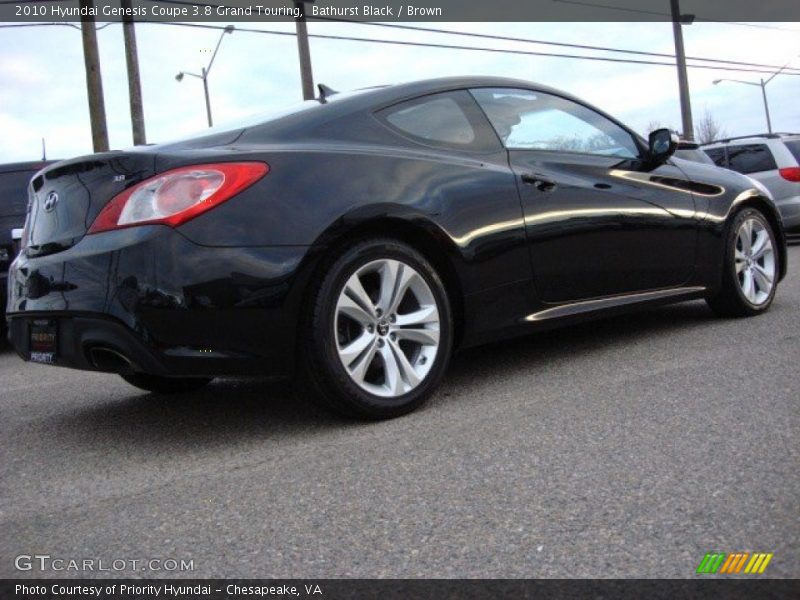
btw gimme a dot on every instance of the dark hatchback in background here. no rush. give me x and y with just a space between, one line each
14 178
359 239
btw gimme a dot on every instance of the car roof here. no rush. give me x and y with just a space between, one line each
756 137
388 94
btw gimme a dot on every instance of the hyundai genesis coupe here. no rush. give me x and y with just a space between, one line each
356 240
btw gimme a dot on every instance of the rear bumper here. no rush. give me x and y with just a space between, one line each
80 336
168 306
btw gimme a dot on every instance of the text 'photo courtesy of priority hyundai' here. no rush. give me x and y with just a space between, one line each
355 241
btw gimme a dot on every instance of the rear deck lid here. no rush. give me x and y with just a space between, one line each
64 199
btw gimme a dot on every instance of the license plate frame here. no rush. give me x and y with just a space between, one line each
43 341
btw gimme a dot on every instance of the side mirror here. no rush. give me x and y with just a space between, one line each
663 144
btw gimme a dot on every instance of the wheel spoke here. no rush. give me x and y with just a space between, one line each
395 279
426 314
762 278
391 371
740 260
407 372
764 250
389 271
746 237
355 311
355 348
359 369
747 286
426 337
760 245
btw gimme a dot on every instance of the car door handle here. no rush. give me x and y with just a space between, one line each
542 184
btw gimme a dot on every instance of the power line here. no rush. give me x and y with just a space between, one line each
545 43
442 46
524 40
472 48
663 14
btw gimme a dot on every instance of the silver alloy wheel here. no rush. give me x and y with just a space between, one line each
387 328
754 257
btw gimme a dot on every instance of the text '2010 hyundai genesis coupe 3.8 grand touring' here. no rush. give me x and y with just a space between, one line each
357 240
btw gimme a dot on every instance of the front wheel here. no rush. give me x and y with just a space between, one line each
378 334
750 275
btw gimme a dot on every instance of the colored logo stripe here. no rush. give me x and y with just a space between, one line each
711 562
734 563
758 563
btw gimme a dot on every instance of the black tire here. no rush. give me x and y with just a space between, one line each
730 300
322 374
165 385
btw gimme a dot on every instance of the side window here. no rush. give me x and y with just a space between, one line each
718 156
794 148
527 120
751 158
449 119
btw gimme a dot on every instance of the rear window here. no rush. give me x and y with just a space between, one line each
751 158
718 156
439 119
794 148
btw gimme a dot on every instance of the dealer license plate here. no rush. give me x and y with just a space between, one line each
44 342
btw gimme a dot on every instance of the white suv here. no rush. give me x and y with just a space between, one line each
774 160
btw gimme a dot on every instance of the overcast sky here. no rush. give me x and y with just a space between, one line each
43 93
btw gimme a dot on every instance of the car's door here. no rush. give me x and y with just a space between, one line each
598 223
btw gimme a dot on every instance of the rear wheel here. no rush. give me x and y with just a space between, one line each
378 335
750 275
165 385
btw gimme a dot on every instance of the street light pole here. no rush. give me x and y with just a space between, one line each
763 85
204 72
766 104
204 77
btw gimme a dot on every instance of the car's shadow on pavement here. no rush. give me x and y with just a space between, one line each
229 410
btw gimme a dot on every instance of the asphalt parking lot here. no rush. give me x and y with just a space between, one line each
627 447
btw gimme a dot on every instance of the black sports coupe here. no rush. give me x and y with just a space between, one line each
358 239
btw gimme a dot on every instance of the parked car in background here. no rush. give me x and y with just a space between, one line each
356 240
14 180
691 151
772 159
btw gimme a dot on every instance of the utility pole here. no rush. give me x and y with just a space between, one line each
134 81
683 78
94 81
306 76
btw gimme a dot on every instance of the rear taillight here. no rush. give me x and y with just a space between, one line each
178 195
791 174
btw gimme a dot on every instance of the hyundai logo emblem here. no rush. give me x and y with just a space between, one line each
50 202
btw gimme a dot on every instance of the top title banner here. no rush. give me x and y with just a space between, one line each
398 10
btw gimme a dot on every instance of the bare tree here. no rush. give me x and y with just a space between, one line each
656 124
708 130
